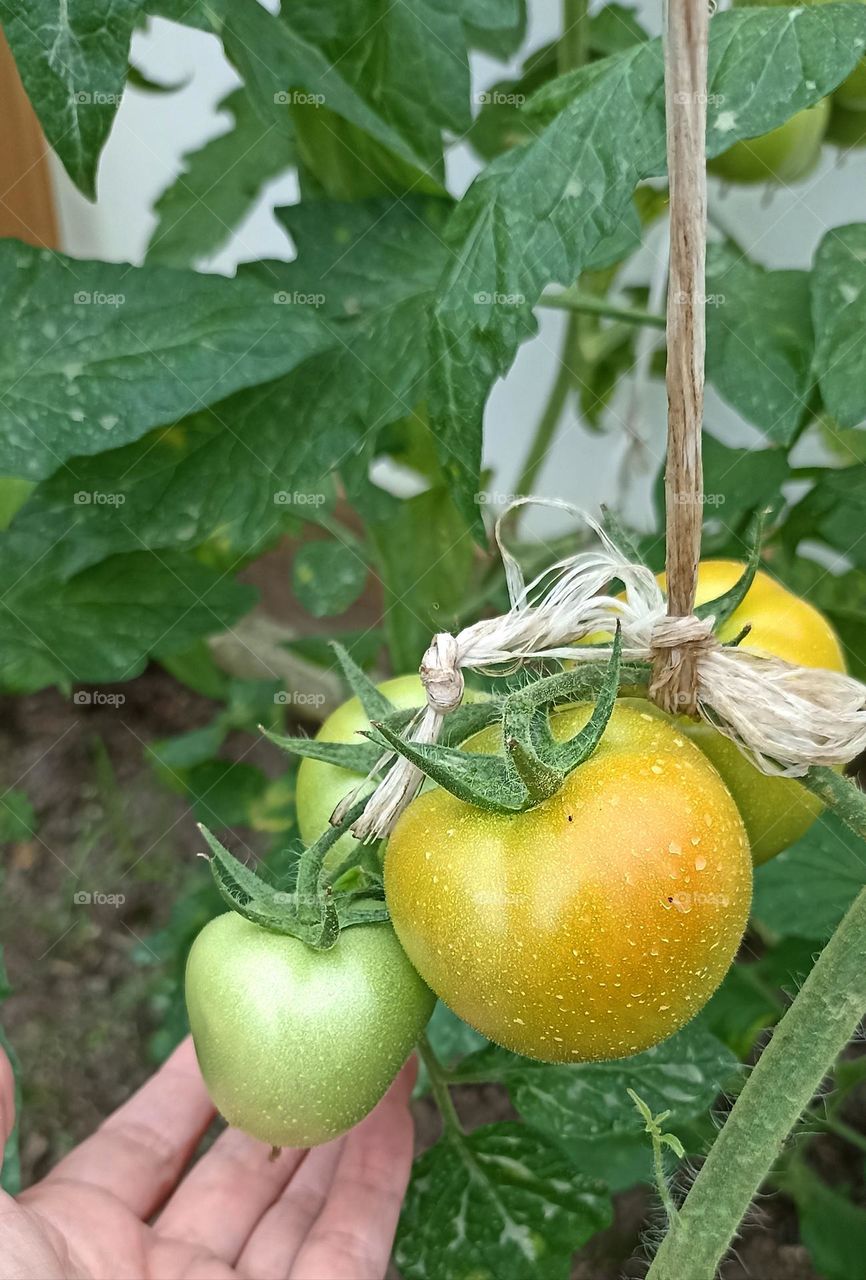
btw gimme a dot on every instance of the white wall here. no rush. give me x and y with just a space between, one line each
152 132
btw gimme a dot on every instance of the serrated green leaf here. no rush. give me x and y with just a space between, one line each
535 214
224 792
328 53
327 577
101 625
834 511
839 316
737 483
186 750
98 353
759 341
72 56
218 185
806 890
588 1100
501 1203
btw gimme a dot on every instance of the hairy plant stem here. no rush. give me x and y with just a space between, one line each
804 1046
439 1087
591 305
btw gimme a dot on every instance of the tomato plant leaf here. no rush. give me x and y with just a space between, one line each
327 577
536 213
72 56
588 1100
500 1202
831 1227
218 185
759 341
102 624
806 890
98 353
839 315
328 54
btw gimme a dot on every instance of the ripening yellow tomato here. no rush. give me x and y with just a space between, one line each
593 925
776 811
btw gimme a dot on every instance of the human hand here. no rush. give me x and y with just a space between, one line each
123 1206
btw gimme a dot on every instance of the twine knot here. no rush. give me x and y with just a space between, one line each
440 674
676 645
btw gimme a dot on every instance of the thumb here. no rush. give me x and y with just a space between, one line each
7 1100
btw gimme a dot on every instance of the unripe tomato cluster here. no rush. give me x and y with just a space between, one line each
589 927
790 152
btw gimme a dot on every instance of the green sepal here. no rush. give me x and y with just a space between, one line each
374 702
486 781
357 757
257 901
468 719
724 605
534 765
360 908
620 536
566 756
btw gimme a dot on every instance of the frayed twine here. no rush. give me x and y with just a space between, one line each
785 718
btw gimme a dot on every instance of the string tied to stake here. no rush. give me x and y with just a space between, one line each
783 717
676 644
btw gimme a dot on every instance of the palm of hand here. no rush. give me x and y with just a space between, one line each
330 1212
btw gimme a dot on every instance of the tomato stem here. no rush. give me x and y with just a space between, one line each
805 1044
439 1088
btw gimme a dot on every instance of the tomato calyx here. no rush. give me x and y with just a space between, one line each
534 765
312 910
726 604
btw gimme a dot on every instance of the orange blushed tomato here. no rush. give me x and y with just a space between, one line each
776 811
595 924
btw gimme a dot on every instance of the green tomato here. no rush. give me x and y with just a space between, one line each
846 130
786 154
321 787
851 93
297 1045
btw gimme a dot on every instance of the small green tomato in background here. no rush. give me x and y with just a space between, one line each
776 811
321 787
786 154
295 1045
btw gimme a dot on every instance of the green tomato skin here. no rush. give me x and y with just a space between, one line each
786 154
295 1045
